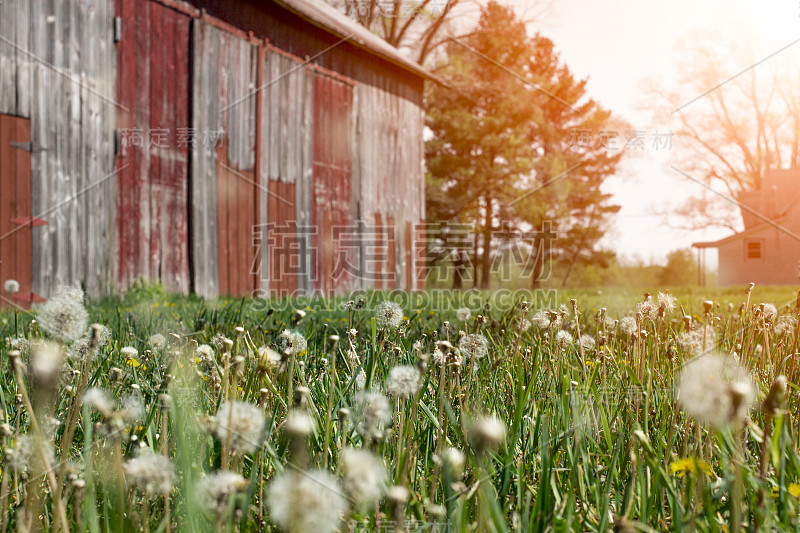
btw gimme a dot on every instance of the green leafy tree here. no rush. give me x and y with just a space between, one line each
681 269
503 151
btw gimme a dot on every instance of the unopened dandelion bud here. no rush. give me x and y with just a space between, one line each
263 397
227 346
488 433
333 342
300 395
687 320
776 396
268 359
299 315
343 414
46 362
115 374
5 430
164 401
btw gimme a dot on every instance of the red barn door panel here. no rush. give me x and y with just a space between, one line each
332 209
16 220
153 117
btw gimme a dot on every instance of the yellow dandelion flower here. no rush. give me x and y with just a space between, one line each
691 465
794 489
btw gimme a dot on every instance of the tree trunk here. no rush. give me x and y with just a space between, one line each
487 246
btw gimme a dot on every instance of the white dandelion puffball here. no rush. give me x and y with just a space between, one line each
388 315
667 301
715 389
698 341
371 412
474 346
239 424
306 501
463 314
98 399
63 318
150 472
541 320
158 341
73 293
587 342
454 458
292 341
363 476
215 490
129 352
489 431
769 311
564 338
628 326
403 381
11 286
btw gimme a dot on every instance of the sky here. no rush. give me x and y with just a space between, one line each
617 45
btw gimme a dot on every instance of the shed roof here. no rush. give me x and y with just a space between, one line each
330 19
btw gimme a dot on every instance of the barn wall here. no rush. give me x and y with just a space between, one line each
57 67
286 164
224 184
388 168
294 35
779 265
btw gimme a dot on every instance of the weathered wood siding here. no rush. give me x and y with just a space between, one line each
57 67
225 187
152 201
388 172
286 164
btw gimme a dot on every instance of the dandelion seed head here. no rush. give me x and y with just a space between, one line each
158 341
371 412
63 317
667 301
388 315
769 311
455 459
11 286
785 325
215 490
363 476
21 344
564 338
488 431
473 346
403 381
463 314
98 399
305 501
715 389
129 352
205 353
696 342
587 342
239 424
292 341
150 472
628 326
541 320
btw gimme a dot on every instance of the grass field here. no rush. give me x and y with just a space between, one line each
468 412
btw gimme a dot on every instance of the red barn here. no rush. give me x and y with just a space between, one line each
219 147
767 251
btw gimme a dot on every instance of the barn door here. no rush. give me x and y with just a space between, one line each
152 168
332 206
16 220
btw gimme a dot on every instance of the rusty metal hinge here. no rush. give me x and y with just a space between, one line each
29 147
